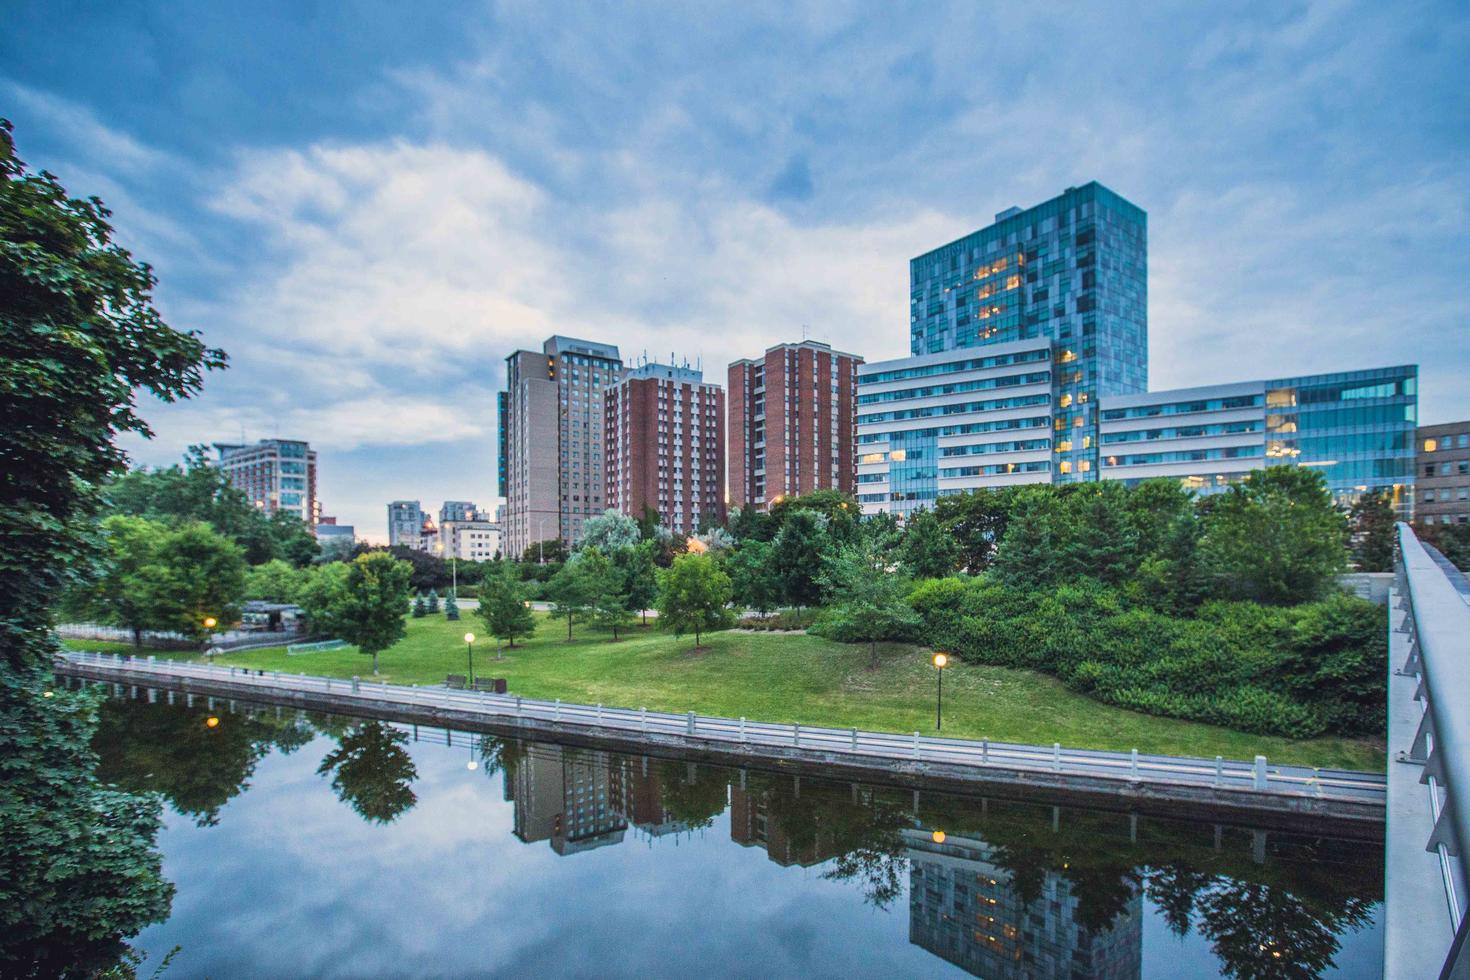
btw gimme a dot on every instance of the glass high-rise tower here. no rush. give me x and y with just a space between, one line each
1072 270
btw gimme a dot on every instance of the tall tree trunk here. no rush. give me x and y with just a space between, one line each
137 638
569 627
696 638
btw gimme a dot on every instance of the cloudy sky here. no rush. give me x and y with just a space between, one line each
369 204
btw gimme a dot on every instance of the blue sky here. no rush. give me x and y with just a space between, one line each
370 204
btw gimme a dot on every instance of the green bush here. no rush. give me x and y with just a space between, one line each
1297 671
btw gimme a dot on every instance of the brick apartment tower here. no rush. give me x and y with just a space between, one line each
665 447
791 423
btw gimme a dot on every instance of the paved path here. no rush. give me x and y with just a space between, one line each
1254 778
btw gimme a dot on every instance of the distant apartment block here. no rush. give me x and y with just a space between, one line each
664 445
550 440
276 475
469 540
327 529
791 423
460 510
405 523
1442 491
573 798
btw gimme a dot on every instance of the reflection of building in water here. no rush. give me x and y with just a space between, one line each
752 825
643 799
571 797
963 909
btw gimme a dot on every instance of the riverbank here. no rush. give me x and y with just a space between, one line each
797 679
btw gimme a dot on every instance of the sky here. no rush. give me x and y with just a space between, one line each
370 204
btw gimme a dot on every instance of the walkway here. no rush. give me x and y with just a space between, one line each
1218 783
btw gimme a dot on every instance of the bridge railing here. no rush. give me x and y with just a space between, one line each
1432 671
1254 775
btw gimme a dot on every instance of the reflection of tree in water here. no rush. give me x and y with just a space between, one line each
498 755
171 749
693 795
1260 930
372 772
78 865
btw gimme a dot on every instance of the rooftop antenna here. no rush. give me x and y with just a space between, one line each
804 329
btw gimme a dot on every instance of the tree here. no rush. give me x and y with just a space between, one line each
640 576
1371 525
275 581
693 596
79 336
610 532
570 591
1275 537
155 578
548 552
321 597
371 772
503 607
606 599
451 608
433 600
369 611
753 577
840 512
928 550
429 571
977 521
797 559
420 607
870 600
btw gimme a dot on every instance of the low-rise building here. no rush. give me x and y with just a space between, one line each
469 540
1442 483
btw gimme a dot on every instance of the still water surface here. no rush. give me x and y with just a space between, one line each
306 845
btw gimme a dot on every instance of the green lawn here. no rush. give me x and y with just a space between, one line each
795 678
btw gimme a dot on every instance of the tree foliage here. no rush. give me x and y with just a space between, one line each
1371 527
797 558
79 337
977 522
610 532
869 600
694 594
369 609
753 577
503 607
372 772
570 591
928 550
639 567
275 581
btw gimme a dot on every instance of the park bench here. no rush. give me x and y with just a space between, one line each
455 682
491 685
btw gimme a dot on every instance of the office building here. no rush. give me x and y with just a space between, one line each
664 446
405 523
1072 270
469 540
550 440
1442 491
791 423
965 908
1355 427
276 475
460 510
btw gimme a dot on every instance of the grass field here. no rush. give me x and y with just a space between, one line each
794 679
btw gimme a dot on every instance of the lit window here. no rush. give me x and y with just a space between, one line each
1084 466
1066 400
898 455
1430 445
1065 466
1087 442
1076 421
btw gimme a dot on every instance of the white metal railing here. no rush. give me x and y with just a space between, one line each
1256 775
1437 668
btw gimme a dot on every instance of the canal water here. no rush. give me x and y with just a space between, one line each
304 845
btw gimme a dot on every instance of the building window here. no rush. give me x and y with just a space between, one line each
1430 445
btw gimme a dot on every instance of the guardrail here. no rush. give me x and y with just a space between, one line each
1256 775
1431 647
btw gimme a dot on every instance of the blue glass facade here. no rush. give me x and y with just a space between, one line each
1073 270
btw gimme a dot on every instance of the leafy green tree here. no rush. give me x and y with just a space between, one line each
606 600
275 581
1275 537
124 592
610 532
369 611
840 512
797 559
1371 525
548 552
503 607
753 577
749 524
977 521
372 772
928 550
640 576
571 593
79 336
693 597
869 600
429 571
321 597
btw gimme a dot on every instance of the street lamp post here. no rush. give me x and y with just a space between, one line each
940 661
209 623
469 642
540 540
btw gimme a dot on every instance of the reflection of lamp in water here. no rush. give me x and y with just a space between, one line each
211 722
473 764
938 836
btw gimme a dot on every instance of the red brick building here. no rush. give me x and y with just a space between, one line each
664 446
792 423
